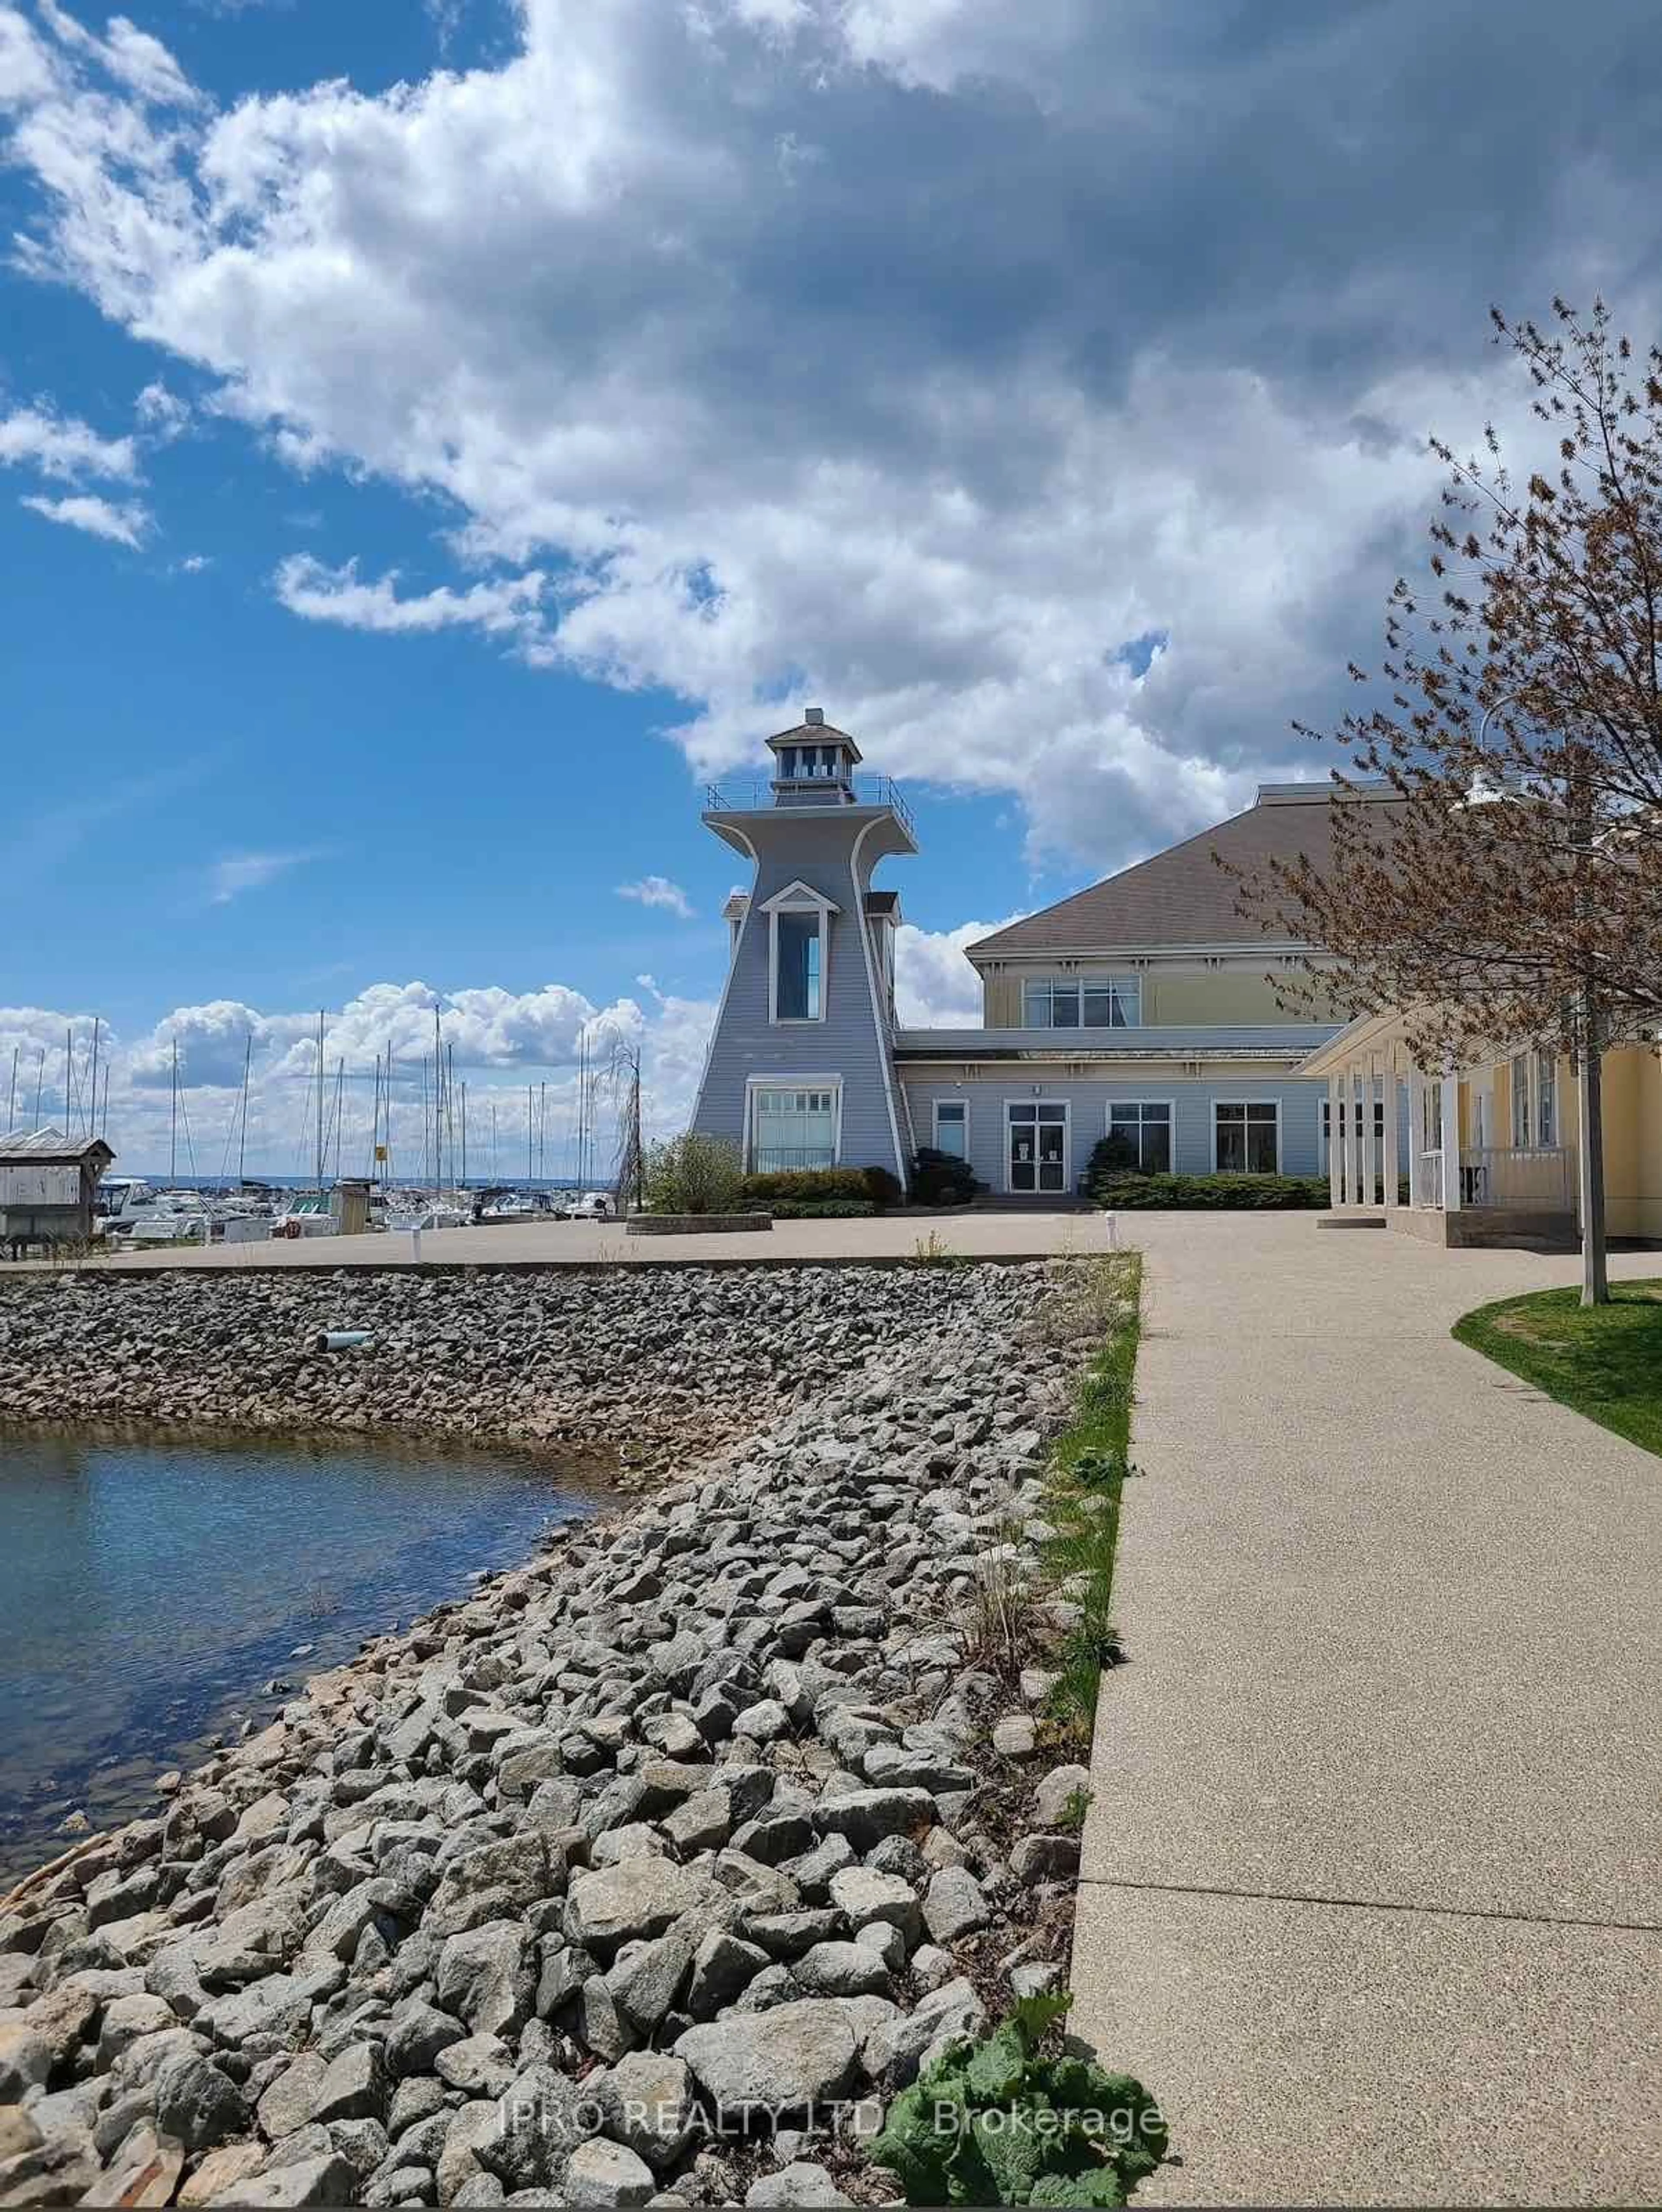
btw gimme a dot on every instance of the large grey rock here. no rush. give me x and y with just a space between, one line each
327 2178
1060 1790
864 1817
485 1978
287 2103
843 1970
608 2174
792 2056
798 2184
864 1896
198 2104
955 1904
721 1967
25 2061
415 2034
354 2087
638 1897
896 2050
647 2103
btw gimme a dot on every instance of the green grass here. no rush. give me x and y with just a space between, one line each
1605 1361
1089 1472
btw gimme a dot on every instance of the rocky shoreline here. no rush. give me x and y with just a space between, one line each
649 1873
659 1367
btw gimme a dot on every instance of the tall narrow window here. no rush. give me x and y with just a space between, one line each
1522 1132
1247 1138
1546 1098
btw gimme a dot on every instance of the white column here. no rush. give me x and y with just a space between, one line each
1370 1143
1334 1175
1417 1193
1341 1136
1390 1164
1451 1144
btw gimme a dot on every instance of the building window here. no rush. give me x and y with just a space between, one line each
1356 1117
1099 1003
1140 1131
1246 1137
951 1127
792 1127
1546 1099
799 963
1522 1125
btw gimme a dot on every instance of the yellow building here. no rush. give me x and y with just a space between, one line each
1514 1169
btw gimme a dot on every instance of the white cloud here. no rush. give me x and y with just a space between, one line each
251 872
935 986
125 523
659 891
162 412
498 1040
705 320
63 448
319 594
194 563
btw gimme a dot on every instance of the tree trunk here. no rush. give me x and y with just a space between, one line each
1590 1107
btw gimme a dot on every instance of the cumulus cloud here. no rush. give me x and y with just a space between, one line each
499 1041
309 588
659 891
935 986
733 372
251 872
63 448
161 412
122 524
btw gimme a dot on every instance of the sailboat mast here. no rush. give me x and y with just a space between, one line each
11 1102
92 1103
172 1128
242 1136
39 1084
319 1081
464 1108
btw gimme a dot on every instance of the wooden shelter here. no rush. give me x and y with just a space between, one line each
48 1189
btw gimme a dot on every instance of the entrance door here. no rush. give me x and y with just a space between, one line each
1038 1158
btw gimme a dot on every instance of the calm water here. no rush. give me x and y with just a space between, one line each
149 1590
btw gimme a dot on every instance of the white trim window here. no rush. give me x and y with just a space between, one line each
1546 1100
1246 1136
1144 1127
1075 1002
1523 1119
1037 1145
951 1127
799 954
793 1122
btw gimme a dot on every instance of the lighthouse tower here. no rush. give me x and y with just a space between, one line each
801 1072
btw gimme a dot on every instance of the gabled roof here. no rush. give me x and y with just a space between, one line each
51 1147
1181 896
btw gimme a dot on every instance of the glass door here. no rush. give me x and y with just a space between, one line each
1038 1148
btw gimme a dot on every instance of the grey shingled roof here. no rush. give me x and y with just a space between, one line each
49 1145
1181 896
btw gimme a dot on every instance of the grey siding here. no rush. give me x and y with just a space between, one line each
852 1041
1192 1103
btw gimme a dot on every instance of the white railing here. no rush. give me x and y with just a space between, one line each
1517 1178
1426 1179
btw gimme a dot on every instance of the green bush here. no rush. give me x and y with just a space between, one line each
882 1187
941 1179
996 2123
813 1209
693 1173
815 1184
1120 1193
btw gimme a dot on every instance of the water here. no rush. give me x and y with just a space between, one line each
151 1588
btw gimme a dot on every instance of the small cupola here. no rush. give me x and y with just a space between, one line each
813 763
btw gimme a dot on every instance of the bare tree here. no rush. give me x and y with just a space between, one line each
1515 897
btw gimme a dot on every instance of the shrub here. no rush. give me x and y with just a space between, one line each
814 1209
941 1179
814 1184
998 2123
882 1187
693 1173
1121 1194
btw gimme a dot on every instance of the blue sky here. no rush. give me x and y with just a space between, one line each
434 438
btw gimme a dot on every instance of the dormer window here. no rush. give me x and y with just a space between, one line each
799 953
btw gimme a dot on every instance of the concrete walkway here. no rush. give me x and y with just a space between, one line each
1373 1901
989 1235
